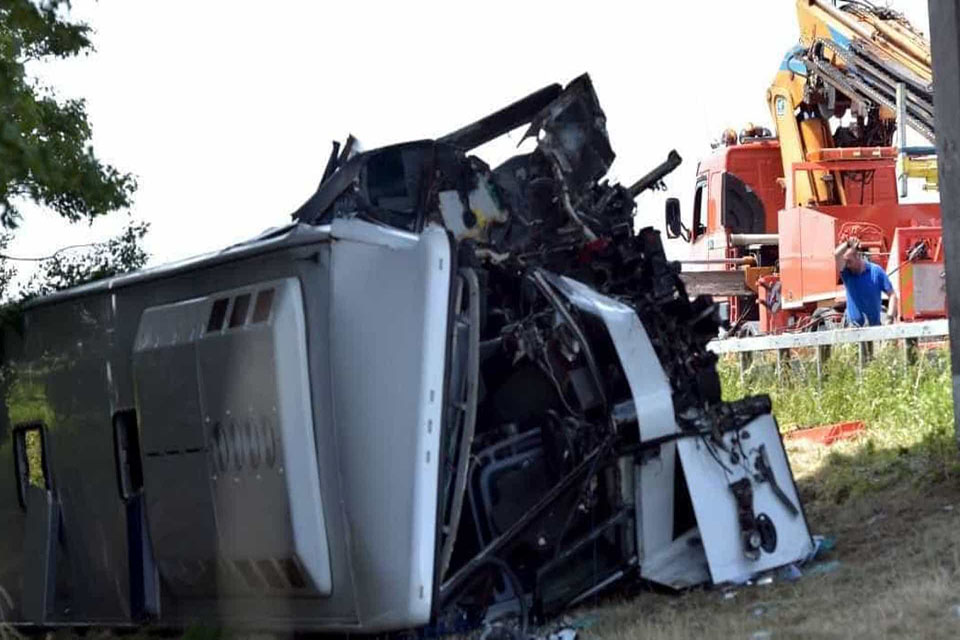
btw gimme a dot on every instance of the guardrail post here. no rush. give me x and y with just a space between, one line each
783 361
910 351
864 355
823 354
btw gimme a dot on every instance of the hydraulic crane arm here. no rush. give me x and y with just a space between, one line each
800 133
850 57
864 51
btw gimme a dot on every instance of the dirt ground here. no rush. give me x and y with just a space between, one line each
895 572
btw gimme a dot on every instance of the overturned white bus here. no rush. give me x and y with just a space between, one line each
443 391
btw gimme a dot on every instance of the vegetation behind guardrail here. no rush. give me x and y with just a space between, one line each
890 499
907 411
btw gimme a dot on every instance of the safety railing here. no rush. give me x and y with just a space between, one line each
910 332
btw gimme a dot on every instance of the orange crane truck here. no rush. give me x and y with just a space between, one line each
769 209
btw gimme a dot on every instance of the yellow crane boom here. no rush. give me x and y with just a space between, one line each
849 59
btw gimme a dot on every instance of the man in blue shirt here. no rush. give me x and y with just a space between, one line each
864 282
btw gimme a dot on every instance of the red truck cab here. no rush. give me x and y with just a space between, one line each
725 182
739 190
779 257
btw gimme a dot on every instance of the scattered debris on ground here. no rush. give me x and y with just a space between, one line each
887 500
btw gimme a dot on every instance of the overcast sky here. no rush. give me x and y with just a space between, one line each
225 110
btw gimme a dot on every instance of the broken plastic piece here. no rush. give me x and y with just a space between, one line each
828 434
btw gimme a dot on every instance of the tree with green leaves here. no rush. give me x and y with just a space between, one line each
45 151
70 268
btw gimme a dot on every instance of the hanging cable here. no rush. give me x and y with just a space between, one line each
4 256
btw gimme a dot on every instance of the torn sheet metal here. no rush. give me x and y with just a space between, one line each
598 447
494 362
747 465
750 463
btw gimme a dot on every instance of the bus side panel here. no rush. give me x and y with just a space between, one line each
61 380
310 265
12 516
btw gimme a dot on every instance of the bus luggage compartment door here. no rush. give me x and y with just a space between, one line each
230 464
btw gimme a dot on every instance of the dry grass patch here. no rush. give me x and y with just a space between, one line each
898 576
891 500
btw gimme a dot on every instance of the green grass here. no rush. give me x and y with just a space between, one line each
907 410
890 499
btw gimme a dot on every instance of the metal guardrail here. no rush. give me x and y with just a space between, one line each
898 331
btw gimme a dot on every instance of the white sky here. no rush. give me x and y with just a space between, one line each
225 110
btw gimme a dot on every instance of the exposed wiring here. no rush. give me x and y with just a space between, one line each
714 455
541 283
581 497
568 205
916 252
547 368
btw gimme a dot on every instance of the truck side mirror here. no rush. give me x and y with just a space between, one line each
674 225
